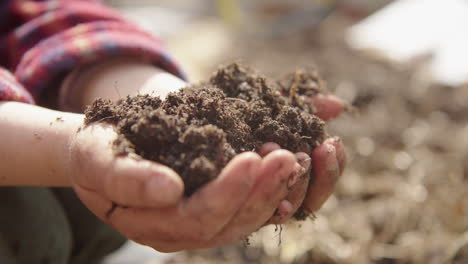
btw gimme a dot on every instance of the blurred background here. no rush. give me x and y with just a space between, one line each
403 198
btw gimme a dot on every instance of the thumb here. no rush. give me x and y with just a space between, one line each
142 183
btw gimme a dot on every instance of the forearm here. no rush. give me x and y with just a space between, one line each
34 145
115 79
35 140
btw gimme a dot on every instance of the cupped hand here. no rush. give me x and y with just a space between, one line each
144 200
326 164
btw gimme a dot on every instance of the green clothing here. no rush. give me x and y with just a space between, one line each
51 226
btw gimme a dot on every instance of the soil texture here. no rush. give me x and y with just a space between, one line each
197 130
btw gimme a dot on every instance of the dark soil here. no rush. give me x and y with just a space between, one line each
197 130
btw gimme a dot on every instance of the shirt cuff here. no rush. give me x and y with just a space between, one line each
86 44
11 90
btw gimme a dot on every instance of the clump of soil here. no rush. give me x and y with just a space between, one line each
197 130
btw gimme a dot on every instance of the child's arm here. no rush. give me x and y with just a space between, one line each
114 79
34 144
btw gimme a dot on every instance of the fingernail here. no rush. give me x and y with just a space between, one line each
340 153
298 171
304 160
301 167
267 148
285 208
285 166
333 140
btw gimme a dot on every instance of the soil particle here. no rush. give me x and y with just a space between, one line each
37 136
197 130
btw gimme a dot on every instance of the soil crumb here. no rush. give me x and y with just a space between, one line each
197 130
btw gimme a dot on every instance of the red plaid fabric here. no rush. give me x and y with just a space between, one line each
42 41
11 90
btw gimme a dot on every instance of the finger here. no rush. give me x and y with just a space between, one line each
328 106
340 152
267 148
326 173
135 229
296 194
142 183
202 215
217 202
270 189
299 170
95 202
285 209
123 180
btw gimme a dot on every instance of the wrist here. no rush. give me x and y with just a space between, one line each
35 145
67 130
114 79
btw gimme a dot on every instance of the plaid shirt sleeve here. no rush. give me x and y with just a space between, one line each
11 90
42 41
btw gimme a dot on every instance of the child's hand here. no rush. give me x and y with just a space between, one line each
151 209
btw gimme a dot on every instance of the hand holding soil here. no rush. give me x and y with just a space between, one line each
228 191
